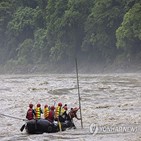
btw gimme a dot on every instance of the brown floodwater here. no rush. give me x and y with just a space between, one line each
110 102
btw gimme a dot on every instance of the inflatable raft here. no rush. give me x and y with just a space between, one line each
44 126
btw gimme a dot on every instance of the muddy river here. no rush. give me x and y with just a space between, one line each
111 105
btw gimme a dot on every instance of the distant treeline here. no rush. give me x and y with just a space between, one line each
55 31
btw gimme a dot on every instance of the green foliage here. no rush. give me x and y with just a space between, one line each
57 53
42 31
28 3
25 52
129 33
40 38
66 26
101 26
23 21
41 48
6 11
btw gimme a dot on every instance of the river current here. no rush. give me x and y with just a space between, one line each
111 105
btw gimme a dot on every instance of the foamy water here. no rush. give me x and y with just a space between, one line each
110 100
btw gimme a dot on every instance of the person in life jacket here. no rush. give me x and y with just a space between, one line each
64 116
64 110
38 111
46 111
30 113
65 107
58 110
51 114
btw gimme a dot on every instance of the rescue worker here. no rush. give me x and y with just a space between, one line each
64 116
51 114
58 111
38 111
30 113
73 114
46 111
65 107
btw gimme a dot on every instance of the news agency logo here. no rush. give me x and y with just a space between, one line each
93 128
107 129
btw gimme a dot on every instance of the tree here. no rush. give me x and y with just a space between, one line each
55 12
6 12
129 33
66 28
22 25
25 55
59 30
100 29
41 47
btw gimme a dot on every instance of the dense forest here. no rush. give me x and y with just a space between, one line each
56 31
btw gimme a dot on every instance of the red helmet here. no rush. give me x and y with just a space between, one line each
52 107
65 107
31 105
38 105
60 104
46 105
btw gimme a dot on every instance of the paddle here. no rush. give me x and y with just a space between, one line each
22 128
59 123
60 126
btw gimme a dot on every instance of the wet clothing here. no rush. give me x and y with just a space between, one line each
58 111
30 114
73 114
64 117
51 116
63 110
46 112
38 112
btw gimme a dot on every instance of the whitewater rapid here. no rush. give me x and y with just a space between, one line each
107 100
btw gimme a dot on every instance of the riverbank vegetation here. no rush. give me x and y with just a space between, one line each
53 32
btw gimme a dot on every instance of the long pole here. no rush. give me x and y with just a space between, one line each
79 98
12 117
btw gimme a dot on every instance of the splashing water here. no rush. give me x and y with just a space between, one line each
107 100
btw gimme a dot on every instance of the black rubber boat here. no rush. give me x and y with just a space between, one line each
44 126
